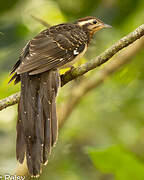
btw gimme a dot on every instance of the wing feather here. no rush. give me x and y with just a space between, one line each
47 52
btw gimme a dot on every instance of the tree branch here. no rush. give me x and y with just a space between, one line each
9 101
76 72
41 21
87 85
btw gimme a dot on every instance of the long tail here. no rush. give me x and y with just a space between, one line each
37 125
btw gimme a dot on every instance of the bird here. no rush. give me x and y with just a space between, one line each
37 68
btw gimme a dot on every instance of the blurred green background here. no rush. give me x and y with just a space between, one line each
103 138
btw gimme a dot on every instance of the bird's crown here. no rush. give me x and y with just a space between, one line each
91 23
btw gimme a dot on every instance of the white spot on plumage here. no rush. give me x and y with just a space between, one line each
45 163
75 59
49 102
32 54
37 176
75 52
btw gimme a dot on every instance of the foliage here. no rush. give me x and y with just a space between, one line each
118 161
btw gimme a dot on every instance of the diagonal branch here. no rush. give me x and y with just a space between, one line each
41 21
90 83
9 101
76 72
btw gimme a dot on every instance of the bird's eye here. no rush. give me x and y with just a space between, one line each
94 22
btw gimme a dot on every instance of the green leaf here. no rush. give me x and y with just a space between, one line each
118 161
1 33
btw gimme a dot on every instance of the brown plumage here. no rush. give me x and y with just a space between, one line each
37 69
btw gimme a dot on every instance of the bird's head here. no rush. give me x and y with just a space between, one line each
91 24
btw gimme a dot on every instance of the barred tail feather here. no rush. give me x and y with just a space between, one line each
20 141
49 85
37 122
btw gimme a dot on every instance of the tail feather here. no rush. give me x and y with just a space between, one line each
54 125
46 89
55 85
20 148
31 122
37 112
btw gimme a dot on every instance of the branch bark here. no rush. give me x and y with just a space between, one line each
9 101
76 72
41 21
87 85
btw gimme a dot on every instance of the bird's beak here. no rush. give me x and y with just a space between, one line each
100 26
106 26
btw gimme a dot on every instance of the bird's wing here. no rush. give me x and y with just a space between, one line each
48 51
